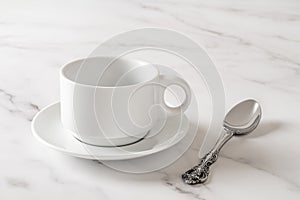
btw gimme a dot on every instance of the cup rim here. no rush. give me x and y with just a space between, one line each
62 73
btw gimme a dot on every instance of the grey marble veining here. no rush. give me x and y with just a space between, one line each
255 46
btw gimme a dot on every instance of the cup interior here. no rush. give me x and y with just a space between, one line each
109 72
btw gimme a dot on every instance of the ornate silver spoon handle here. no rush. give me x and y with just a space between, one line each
199 173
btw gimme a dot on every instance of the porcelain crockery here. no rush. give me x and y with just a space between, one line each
114 102
48 129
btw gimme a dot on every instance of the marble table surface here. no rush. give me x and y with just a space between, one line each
255 46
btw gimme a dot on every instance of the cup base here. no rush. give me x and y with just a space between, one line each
112 143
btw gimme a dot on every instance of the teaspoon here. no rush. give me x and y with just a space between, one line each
242 119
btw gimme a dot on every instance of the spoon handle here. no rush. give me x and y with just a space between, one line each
199 173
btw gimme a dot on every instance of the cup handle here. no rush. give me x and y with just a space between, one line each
167 80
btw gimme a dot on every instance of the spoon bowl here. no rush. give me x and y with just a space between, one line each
243 118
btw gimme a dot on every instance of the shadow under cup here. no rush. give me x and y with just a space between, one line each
108 102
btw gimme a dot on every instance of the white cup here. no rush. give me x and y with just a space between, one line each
107 102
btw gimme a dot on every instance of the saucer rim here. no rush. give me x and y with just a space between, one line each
132 155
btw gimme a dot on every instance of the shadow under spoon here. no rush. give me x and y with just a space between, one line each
242 119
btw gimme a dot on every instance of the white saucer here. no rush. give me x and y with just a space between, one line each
47 128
